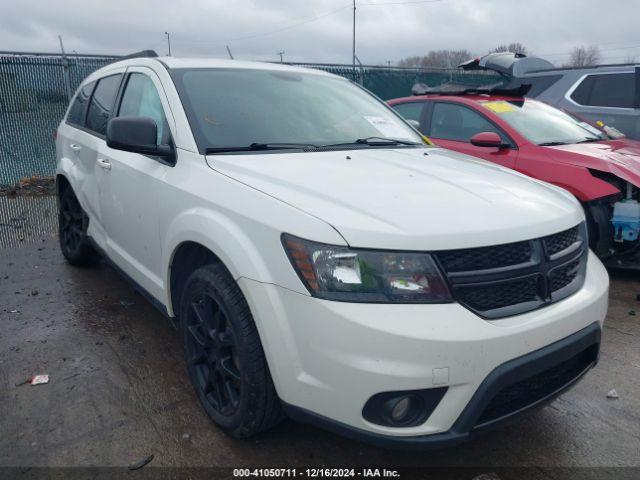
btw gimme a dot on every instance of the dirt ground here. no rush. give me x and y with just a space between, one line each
118 390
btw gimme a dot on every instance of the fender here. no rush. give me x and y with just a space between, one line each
577 180
219 234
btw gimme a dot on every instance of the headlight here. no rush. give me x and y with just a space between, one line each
356 275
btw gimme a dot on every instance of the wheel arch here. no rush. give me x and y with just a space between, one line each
200 237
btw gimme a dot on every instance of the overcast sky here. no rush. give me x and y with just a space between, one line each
321 30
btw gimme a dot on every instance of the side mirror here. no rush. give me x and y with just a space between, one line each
137 135
487 139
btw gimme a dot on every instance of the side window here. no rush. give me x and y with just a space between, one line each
77 110
102 102
410 110
141 99
606 90
456 122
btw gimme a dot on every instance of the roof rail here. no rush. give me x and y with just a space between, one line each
140 54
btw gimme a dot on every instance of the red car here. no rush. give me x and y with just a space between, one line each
546 143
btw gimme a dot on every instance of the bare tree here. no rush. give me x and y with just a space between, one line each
515 47
437 59
584 56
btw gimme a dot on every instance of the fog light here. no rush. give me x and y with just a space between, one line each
404 409
401 409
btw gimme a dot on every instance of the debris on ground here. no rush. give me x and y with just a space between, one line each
141 463
40 379
34 186
487 476
186 436
632 313
613 394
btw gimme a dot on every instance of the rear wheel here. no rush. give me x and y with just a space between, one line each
224 355
72 231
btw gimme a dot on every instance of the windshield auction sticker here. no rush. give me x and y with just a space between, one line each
386 127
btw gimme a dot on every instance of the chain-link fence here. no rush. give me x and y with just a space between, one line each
33 99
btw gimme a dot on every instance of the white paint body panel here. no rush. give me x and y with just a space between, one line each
329 357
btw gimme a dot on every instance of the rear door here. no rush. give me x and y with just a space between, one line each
133 183
612 98
451 125
85 142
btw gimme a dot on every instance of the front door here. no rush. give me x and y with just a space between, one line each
452 125
133 186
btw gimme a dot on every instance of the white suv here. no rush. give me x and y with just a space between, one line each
322 260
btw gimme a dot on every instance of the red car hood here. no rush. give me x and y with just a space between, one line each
620 157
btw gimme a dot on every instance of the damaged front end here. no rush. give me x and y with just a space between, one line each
614 224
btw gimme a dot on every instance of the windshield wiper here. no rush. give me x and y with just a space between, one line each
373 142
260 146
552 144
591 139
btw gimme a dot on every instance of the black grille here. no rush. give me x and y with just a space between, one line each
499 296
563 276
513 278
533 389
486 257
561 241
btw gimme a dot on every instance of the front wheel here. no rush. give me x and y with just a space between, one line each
224 355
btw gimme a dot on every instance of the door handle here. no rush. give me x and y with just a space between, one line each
104 163
75 147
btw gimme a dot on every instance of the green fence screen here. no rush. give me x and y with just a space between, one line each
33 99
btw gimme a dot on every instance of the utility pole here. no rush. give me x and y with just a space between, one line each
354 35
65 69
281 53
229 52
168 42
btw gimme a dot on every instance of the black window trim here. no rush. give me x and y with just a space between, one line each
512 143
636 104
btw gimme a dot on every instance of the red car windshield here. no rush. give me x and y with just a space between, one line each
543 124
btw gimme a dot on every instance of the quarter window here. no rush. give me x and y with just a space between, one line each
606 90
455 122
77 110
141 99
102 103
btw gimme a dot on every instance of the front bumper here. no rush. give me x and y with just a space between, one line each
328 358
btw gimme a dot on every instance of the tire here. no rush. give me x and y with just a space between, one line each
600 228
72 231
224 355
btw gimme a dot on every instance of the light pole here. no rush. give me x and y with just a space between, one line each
281 53
354 35
168 42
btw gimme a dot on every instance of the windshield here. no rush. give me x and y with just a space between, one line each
243 107
543 124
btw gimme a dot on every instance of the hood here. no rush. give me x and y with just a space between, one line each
409 199
620 157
